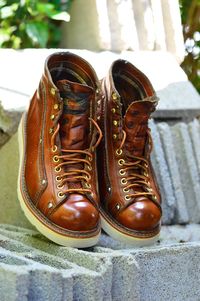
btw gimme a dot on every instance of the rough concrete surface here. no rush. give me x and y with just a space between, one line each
37 269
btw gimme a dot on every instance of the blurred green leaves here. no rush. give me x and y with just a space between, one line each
30 23
38 33
190 14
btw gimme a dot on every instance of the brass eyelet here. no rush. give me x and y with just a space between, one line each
90 159
126 190
119 152
58 179
89 167
123 181
56 106
145 165
88 185
87 178
115 123
114 136
52 117
145 174
53 91
56 159
122 172
149 189
121 162
114 96
57 169
113 110
127 198
60 194
54 148
60 186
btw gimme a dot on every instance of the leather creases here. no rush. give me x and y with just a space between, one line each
77 158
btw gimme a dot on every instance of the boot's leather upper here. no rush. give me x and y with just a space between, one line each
129 193
61 137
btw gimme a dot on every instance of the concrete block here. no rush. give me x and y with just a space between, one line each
181 213
92 275
194 132
44 282
125 274
149 273
11 212
14 283
187 169
8 123
180 95
169 273
163 177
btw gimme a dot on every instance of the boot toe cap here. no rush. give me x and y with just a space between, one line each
140 216
76 214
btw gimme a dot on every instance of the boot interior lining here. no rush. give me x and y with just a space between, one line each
71 72
128 88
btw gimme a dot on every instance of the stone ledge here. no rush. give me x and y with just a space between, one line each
38 269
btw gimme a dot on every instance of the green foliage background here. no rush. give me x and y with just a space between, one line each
190 14
31 23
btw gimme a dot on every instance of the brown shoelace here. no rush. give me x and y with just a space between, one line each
71 157
139 177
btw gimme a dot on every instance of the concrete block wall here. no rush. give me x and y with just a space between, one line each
32 268
176 161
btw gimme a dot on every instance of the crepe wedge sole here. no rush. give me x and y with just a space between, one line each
43 225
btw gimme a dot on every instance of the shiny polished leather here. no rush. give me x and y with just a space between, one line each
61 132
130 197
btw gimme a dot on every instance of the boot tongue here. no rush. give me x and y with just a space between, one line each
136 125
74 122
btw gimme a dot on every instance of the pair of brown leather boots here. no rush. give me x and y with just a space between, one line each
85 154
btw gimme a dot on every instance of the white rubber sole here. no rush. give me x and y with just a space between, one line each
54 236
127 239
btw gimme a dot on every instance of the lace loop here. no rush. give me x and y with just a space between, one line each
74 157
137 173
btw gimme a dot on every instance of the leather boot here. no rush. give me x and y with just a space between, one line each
58 135
130 198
